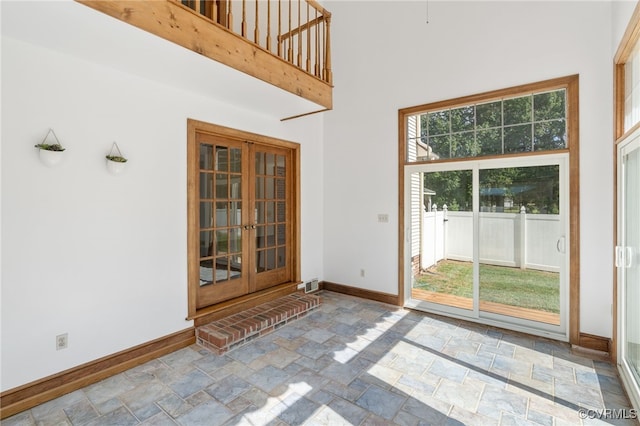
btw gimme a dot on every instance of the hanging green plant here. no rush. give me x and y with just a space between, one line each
116 158
49 153
50 147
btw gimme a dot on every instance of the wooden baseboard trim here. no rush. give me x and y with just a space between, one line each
31 394
378 296
595 343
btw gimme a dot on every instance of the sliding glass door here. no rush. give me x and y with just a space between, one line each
521 242
442 252
628 264
488 241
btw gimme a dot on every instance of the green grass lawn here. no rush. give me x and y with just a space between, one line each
510 286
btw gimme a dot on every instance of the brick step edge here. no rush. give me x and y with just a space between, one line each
235 330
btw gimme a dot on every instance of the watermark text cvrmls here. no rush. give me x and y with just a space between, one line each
609 413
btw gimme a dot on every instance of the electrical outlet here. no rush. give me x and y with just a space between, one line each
62 341
362 273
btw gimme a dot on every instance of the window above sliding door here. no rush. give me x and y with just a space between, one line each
527 123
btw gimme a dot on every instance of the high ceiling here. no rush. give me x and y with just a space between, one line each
74 29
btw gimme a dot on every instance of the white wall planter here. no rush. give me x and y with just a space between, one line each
50 153
115 167
116 162
50 158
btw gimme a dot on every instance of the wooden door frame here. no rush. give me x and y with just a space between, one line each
213 312
625 49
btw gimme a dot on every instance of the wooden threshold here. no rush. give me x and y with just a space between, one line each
233 306
31 394
495 308
524 313
178 24
442 298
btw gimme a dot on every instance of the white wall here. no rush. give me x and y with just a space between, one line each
65 230
394 59
621 12
97 256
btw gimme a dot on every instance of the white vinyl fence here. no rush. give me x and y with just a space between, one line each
522 240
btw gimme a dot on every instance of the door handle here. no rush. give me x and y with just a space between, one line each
624 257
560 244
619 257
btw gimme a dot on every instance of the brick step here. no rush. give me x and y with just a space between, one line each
235 330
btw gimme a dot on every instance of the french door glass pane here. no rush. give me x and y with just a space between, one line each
206 272
235 162
206 244
220 214
520 242
261 261
270 211
222 161
442 238
222 188
222 217
270 163
269 182
206 185
632 267
235 213
206 157
206 213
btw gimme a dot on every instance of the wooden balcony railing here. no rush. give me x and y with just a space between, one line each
286 43
297 31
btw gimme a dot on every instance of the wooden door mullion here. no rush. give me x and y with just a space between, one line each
248 173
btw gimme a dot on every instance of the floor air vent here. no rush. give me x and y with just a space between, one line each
311 286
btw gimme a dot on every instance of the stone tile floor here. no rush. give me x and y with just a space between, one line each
355 362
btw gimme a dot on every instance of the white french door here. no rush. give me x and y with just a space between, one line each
486 240
628 265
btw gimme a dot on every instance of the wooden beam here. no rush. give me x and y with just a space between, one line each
303 115
179 24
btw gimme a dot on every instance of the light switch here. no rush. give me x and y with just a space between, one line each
383 218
